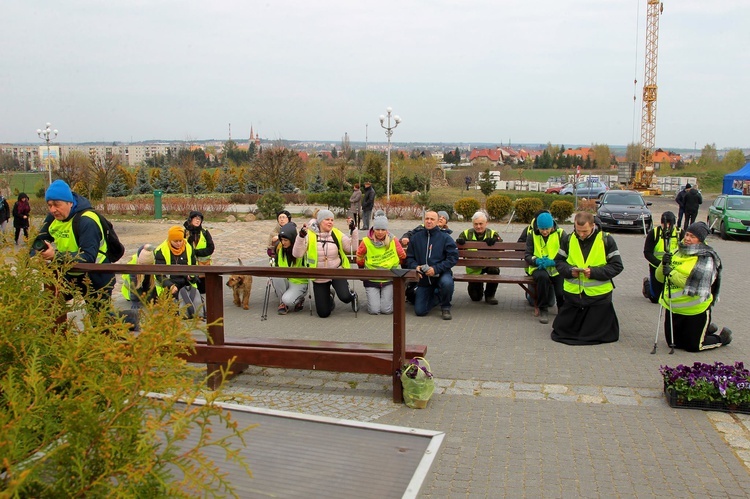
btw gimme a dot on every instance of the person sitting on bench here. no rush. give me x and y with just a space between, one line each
480 232
541 250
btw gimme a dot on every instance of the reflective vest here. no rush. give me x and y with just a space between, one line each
202 260
596 258
281 261
547 248
312 248
681 303
127 279
674 243
470 235
65 240
380 257
164 249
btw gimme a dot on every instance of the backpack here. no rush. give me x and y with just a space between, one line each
115 249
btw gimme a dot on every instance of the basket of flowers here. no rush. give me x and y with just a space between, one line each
417 382
710 387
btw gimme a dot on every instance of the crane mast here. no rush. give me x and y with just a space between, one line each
645 172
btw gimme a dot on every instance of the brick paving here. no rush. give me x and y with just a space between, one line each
524 416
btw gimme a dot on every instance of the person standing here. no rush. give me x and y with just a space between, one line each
480 232
355 204
433 253
4 213
368 203
655 248
680 200
692 278
693 201
541 250
380 251
201 241
21 213
588 260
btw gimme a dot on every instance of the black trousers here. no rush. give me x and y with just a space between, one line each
322 294
549 289
477 290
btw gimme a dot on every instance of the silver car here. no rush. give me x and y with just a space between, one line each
586 189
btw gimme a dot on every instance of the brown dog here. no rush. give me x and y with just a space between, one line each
241 285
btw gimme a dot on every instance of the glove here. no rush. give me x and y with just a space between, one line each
491 241
666 260
460 240
550 262
351 225
666 270
303 231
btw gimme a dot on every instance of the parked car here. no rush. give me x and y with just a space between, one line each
556 190
586 189
730 215
624 210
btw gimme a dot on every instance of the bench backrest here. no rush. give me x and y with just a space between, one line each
500 254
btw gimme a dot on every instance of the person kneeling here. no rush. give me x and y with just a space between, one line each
176 251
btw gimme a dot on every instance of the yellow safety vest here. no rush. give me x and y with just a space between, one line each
548 249
312 248
470 235
380 257
681 303
674 243
65 240
202 260
282 262
127 279
164 249
596 258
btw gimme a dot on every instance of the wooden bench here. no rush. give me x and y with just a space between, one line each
216 352
505 255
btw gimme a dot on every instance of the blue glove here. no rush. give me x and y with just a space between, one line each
550 262
540 263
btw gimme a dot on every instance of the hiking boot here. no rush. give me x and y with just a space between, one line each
543 316
282 309
355 302
447 315
300 304
712 328
646 290
490 300
333 299
726 336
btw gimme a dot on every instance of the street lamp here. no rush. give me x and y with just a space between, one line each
45 135
388 132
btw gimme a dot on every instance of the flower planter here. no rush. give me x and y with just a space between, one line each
679 402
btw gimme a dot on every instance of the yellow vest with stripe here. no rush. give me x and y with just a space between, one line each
127 279
471 235
202 244
281 261
597 257
674 243
681 303
548 249
312 248
380 257
164 249
65 240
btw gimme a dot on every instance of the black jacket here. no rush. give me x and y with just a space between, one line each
693 200
368 199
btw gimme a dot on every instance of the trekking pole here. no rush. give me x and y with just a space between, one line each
666 236
512 213
351 284
658 325
267 296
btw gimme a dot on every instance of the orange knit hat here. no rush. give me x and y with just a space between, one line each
176 233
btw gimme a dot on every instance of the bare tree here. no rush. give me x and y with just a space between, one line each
103 171
186 171
276 167
74 169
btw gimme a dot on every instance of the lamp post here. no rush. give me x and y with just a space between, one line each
45 135
388 132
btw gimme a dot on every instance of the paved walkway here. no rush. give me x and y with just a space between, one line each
524 416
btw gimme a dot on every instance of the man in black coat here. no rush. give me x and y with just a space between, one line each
693 201
368 203
680 200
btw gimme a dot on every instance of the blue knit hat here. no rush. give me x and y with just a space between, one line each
59 191
544 221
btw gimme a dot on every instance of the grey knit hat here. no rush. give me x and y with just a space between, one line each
699 230
444 214
380 223
324 214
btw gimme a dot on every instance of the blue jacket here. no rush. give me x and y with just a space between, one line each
435 248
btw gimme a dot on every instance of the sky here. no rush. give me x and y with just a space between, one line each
455 71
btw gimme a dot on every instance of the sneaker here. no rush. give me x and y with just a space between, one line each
333 299
543 316
712 328
726 336
282 309
355 302
447 315
490 300
300 304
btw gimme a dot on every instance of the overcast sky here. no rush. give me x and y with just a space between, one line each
528 71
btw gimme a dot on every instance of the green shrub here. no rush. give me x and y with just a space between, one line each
526 208
466 207
270 204
498 206
75 416
448 208
561 210
336 201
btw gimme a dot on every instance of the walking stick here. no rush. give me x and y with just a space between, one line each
355 306
512 213
267 296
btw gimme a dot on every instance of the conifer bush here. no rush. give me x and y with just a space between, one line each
526 208
75 416
561 210
498 206
466 207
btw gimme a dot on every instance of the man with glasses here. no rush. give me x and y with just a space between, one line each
588 260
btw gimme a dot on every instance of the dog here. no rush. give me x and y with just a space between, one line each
242 286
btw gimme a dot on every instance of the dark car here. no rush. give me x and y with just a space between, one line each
624 210
730 215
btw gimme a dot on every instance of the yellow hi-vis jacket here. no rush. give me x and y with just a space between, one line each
597 257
